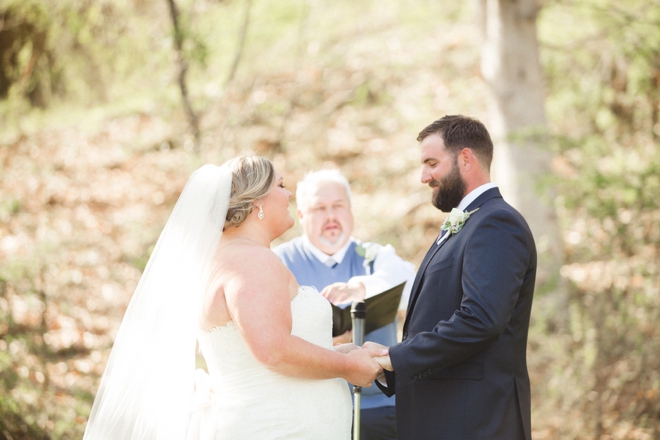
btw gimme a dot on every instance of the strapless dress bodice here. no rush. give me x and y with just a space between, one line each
248 401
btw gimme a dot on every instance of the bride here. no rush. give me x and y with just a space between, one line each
273 372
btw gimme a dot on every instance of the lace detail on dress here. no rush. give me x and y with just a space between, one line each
313 317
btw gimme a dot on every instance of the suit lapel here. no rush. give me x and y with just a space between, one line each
487 195
427 259
420 274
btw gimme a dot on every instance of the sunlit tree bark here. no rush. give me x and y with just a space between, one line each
510 65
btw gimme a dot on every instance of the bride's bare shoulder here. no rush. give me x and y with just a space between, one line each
248 271
249 259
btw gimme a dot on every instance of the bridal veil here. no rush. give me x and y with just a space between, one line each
146 389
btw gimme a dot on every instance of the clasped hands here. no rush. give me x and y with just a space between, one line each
375 356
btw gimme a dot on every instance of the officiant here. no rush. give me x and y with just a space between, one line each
344 270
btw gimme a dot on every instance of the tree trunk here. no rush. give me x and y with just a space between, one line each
183 69
511 67
241 42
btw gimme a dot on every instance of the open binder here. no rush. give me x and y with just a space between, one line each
381 310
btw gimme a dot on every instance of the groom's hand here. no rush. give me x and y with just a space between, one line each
370 345
341 293
384 361
365 369
346 348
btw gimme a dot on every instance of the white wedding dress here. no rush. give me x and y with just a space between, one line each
241 399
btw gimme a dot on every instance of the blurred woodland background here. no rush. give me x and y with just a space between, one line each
107 106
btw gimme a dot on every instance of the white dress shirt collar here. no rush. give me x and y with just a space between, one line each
338 256
472 196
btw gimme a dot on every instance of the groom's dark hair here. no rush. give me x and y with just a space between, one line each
460 132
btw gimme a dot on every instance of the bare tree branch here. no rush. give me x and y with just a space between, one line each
241 41
183 68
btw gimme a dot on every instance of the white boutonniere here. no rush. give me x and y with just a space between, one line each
369 253
455 220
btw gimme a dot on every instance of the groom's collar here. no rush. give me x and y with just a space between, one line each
472 195
473 200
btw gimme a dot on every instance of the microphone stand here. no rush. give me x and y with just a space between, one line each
358 316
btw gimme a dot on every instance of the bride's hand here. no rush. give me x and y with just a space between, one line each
364 368
384 361
346 348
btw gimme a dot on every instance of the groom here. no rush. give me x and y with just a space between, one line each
460 371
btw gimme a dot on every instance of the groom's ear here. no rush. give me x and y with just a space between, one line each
467 161
465 158
471 169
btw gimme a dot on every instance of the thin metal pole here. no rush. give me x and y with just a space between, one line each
358 316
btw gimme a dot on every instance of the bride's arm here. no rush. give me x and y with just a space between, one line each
258 297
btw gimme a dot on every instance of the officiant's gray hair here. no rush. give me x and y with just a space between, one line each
313 180
252 179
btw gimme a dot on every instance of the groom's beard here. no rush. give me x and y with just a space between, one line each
450 190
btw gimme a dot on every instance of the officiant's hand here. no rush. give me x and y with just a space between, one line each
364 368
344 338
341 293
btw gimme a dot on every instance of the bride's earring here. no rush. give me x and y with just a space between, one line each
261 213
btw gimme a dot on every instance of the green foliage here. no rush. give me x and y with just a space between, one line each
87 183
14 425
78 51
25 59
346 84
604 101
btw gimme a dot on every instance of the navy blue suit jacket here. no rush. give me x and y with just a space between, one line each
460 371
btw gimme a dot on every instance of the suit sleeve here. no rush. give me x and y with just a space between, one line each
495 262
390 388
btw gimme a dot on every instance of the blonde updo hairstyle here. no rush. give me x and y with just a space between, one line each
252 179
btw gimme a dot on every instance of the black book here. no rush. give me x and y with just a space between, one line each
381 310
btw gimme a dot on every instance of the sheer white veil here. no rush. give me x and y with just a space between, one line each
146 389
